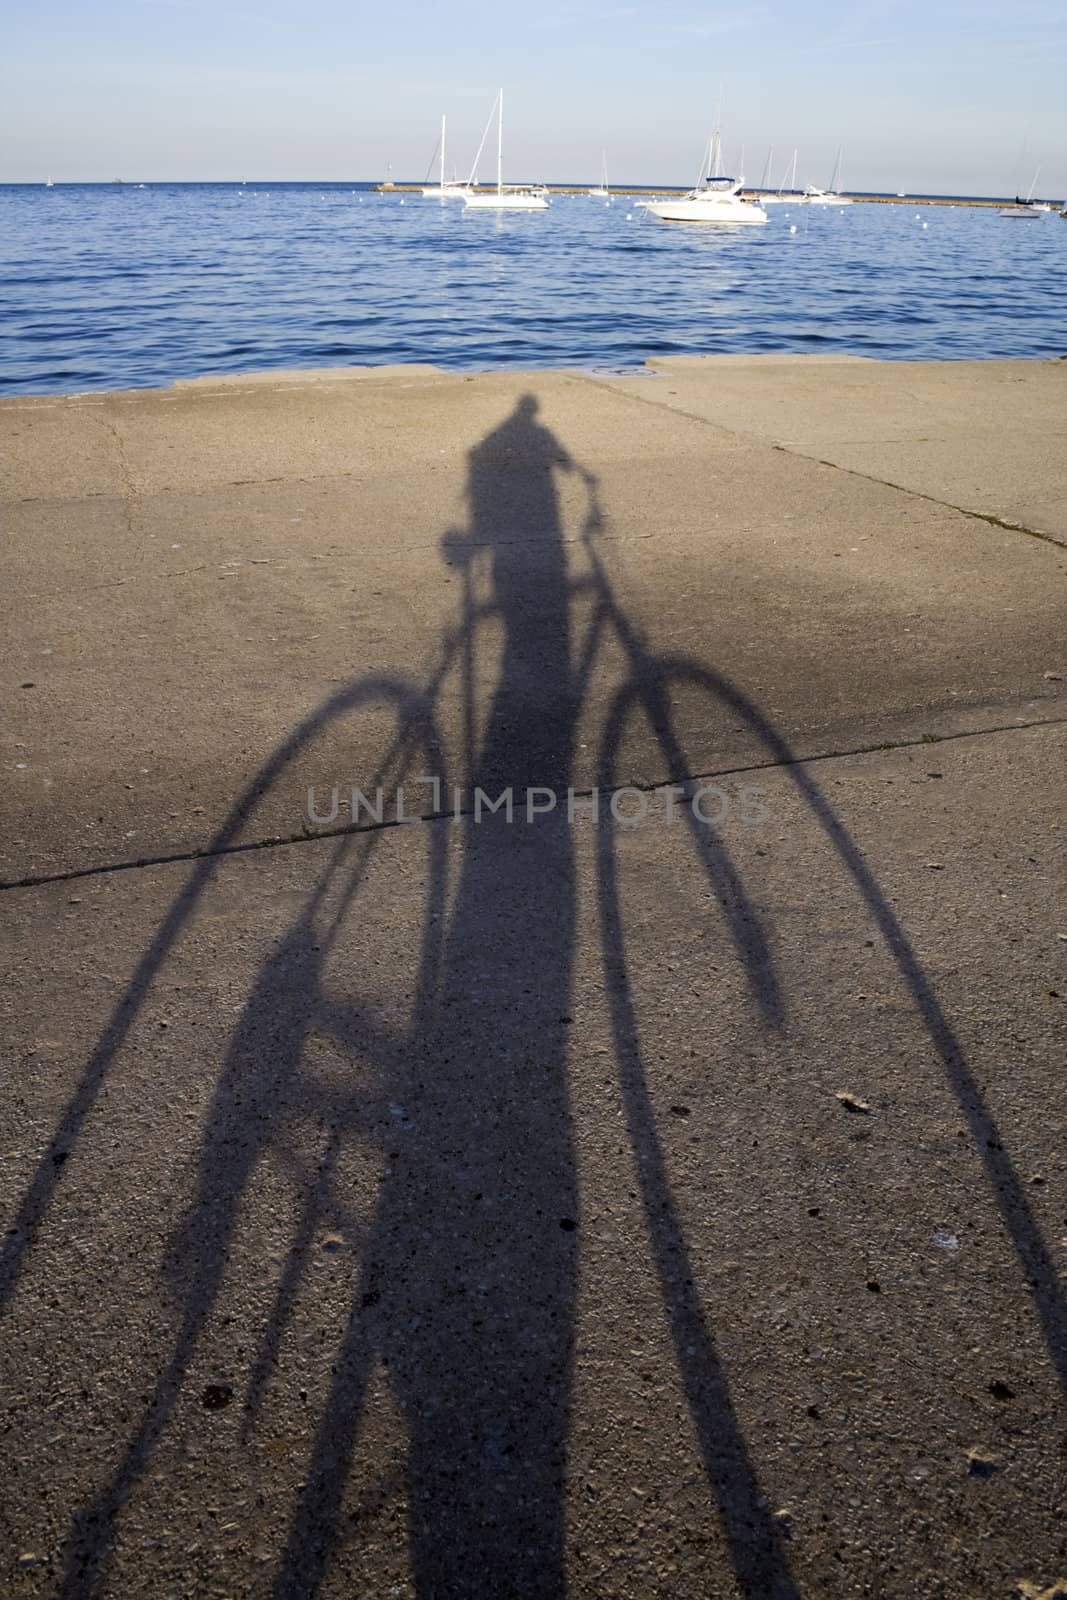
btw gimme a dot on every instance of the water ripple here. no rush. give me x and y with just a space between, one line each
108 286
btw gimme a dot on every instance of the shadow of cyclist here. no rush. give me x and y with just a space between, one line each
469 1277
467 1285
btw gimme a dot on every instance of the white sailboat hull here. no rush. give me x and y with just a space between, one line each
495 201
446 191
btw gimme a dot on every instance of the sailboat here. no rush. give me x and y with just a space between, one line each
387 183
827 197
510 197
603 193
49 184
453 190
1027 207
716 198
786 191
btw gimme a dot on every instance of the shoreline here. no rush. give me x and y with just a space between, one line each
652 367
635 191
646 193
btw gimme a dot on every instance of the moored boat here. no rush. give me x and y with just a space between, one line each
446 189
505 197
718 201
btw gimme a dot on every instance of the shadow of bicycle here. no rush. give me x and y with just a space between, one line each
469 1257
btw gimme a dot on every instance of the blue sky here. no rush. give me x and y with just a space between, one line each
962 96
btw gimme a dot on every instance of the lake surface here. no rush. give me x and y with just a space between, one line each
115 286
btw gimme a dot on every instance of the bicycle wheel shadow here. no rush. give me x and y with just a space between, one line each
467 1289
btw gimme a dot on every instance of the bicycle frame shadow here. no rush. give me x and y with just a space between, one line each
473 1311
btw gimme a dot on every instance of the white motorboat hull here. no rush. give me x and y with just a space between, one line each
825 200
506 202
722 210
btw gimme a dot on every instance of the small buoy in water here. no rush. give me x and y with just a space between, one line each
629 216
926 224
792 227
917 217
401 202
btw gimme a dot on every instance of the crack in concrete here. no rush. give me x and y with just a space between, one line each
724 432
278 841
930 499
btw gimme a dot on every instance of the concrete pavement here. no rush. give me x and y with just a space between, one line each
467 1209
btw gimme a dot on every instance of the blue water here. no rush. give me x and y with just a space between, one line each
114 286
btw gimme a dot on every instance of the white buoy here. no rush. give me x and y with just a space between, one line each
629 216
792 227
926 224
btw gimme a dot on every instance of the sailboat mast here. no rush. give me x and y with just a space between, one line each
500 148
442 150
705 162
767 169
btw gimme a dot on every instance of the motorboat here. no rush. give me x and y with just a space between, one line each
717 200
505 197
716 197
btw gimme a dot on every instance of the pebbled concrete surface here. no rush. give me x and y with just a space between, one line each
475 1210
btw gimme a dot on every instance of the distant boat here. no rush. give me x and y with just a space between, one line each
49 184
827 197
387 182
1027 207
603 192
453 190
786 191
716 198
505 197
